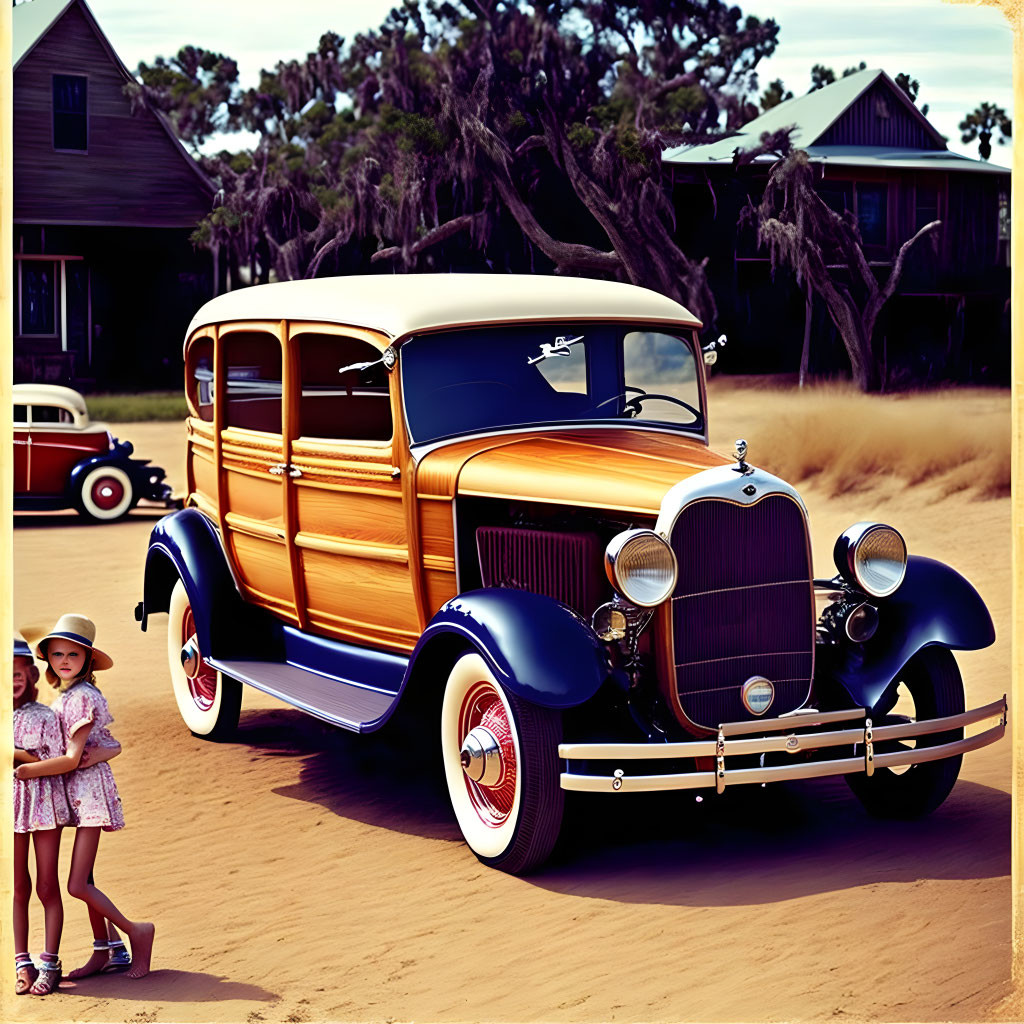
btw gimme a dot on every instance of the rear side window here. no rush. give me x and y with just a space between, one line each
50 414
21 414
252 365
199 375
344 389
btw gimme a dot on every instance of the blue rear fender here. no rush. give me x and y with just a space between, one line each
186 546
536 647
934 605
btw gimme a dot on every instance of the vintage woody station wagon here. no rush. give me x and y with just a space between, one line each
496 493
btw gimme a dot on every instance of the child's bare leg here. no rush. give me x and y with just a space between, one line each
47 846
23 892
100 954
140 933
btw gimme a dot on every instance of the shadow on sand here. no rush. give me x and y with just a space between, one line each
752 845
168 986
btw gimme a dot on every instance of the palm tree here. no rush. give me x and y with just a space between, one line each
981 123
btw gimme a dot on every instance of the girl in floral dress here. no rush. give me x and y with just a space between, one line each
40 809
95 805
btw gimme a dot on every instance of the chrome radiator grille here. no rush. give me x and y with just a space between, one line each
743 606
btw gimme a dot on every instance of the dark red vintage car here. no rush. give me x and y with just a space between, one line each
64 460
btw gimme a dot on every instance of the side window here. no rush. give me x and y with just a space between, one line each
344 389
48 414
661 365
199 389
252 361
21 414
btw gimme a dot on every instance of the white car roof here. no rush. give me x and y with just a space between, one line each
50 394
403 304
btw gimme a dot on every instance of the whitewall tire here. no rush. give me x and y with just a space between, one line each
208 700
509 812
105 493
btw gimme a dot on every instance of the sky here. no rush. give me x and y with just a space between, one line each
959 52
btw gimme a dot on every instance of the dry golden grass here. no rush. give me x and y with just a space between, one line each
956 439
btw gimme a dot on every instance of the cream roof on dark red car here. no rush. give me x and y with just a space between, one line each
402 304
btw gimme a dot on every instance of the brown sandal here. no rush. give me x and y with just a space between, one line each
25 975
50 974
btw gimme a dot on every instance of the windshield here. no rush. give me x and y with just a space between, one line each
467 381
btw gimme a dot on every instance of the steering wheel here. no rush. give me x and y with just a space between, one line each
634 404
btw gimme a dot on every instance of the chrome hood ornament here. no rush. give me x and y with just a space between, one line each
740 455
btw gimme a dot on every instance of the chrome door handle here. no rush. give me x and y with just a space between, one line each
278 469
294 471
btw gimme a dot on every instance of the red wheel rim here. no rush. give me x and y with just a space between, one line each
107 493
202 686
482 705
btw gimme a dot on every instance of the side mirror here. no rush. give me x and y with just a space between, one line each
711 350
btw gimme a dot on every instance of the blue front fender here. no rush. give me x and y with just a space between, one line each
185 545
934 605
538 648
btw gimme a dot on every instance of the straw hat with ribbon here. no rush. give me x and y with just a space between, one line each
82 631
21 647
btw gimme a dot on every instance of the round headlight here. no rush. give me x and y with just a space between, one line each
872 556
641 567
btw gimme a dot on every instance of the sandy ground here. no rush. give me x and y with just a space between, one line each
306 874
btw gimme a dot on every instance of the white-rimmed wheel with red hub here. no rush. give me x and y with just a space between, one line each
105 493
208 700
501 763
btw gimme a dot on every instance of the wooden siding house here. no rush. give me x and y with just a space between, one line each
104 203
877 156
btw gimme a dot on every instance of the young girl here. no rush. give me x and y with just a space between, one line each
95 806
40 809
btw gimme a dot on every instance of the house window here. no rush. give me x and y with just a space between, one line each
37 300
838 195
70 114
873 213
926 205
1004 217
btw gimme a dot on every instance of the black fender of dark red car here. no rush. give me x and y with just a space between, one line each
139 471
537 647
934 605
185 545
80 469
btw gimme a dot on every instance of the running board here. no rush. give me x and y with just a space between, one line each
341 703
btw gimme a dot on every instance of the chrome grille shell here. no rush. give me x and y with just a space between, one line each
744 601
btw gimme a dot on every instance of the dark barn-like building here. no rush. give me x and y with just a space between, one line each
877 156
106 279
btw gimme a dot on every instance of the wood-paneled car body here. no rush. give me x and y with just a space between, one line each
62 459
496 493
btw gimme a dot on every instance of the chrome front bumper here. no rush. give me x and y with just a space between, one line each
734 739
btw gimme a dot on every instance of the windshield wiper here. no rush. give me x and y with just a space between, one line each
559 347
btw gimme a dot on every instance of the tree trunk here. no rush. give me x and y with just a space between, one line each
805 352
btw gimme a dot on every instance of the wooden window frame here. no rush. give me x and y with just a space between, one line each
53 113
60 297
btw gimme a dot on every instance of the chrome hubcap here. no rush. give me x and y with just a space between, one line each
191 660
481 757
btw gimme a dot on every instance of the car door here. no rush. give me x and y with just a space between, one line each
351 532
22 449
253 464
